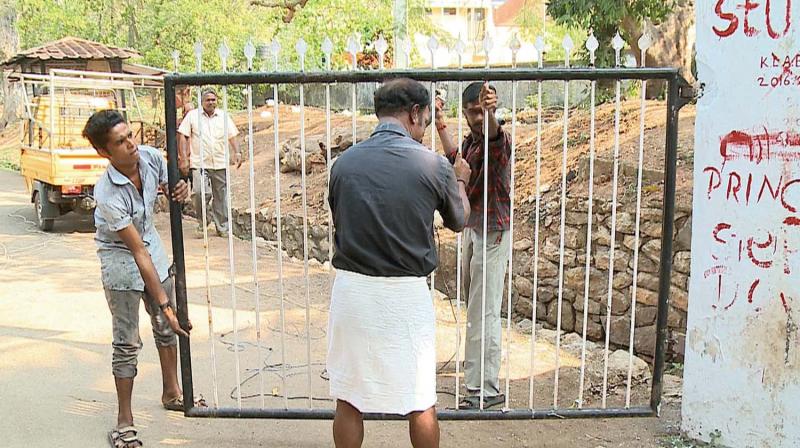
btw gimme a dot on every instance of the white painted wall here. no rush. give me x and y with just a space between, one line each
742 371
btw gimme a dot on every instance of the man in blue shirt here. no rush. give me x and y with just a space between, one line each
133 263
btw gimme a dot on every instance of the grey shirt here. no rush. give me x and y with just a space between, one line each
383 193
119 205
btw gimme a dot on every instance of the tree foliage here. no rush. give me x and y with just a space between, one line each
157 27
606 17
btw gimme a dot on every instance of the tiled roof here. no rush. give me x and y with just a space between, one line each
73 48
507 13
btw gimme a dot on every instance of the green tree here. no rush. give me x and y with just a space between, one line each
606 17
157 27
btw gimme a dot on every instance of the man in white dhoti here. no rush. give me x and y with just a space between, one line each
381 338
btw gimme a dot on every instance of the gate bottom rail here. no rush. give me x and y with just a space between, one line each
445 414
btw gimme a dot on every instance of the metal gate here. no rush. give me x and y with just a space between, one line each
537 408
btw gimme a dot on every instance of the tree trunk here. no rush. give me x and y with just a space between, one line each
673 43
10 97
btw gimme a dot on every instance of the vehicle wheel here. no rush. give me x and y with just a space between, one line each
43 223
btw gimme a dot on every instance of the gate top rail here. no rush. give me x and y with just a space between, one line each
521 74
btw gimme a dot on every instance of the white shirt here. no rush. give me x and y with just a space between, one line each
207 135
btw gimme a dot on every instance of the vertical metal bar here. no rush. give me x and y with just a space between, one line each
52 134
567 47
636 234
540 50
617 112
487 47
327 49
249 53
176 230
592 46
459 236
301 49
432 46
665 270
515 44
276 110
353 48
204 221
224 50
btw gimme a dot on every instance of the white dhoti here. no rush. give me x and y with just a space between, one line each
382 343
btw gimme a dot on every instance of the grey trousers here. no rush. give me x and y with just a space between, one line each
498 245
216 196
124 307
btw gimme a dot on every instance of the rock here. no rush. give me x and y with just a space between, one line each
683 240
567 315
601 235
546 335
290 157
541 312
648 281
547 269
525 326
620 260
551 251
672 388
319 232
679 280
523 244
618 363
682 262
523 286
651 214
267 231
574 278
652 249
574 238
651 229
676 319
546 293
576 218
644 340
620 302
620 330
622 280
646 265
523 306
679 298
625 223
523 263
646 315
595 307
646 296
629 242
573 343
594 331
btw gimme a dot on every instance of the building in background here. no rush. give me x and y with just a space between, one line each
472 20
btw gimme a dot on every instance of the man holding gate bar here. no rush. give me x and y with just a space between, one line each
383 194
480 98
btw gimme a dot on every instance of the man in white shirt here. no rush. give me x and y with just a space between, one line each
203 131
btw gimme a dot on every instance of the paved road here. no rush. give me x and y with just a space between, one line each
56 387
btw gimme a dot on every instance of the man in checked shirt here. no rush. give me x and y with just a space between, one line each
478 98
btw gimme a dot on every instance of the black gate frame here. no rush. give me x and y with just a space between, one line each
679 93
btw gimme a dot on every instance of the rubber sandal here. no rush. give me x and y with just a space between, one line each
176 404
473 402
127 437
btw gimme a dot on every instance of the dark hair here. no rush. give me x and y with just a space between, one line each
473 92
98 125
208 90
400 95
